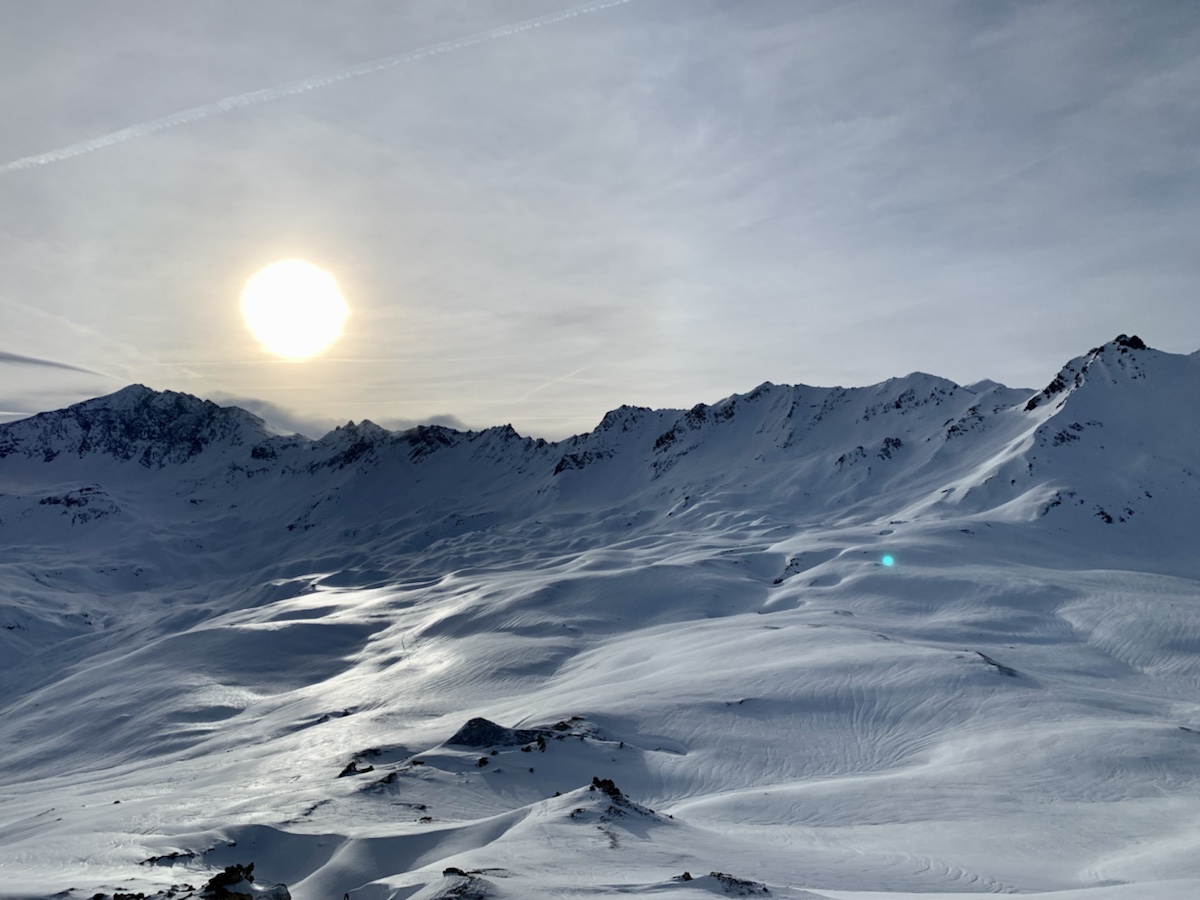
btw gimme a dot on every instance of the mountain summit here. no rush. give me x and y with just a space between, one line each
153 428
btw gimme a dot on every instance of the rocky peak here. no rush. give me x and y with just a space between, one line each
424 440
500 432
348 444
366 430
1130 343
1115 356
623 418
135 423
913 391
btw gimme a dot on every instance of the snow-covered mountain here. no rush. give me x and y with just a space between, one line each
913 638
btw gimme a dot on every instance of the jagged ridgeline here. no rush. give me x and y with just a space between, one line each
1110 439
916 637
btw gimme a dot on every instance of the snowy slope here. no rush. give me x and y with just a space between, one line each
225 645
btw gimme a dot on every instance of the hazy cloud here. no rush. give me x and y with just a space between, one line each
289 421
660 205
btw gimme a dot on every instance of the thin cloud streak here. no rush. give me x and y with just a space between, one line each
266 95
554 381
17 359
1025 167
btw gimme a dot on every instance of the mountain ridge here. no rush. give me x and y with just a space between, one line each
918 443
137 413
878 630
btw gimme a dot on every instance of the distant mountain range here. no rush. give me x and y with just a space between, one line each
1110 439
208 622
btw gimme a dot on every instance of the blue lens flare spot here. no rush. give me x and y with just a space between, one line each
888 561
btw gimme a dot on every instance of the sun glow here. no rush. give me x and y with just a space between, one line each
294 309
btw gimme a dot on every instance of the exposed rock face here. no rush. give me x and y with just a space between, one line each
1133 343
83 505
237 883
480 732
1074 373
135 424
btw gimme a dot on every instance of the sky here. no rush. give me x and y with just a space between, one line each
652 202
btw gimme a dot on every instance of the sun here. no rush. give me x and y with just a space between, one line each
294 309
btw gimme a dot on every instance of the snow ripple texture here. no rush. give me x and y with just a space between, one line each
445 664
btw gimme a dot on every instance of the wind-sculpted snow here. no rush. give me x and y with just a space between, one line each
472 664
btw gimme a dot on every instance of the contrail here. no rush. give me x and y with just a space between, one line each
241 101
529 393
1029 165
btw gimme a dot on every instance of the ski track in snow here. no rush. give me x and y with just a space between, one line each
198 642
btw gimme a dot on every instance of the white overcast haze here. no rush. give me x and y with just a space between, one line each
659 203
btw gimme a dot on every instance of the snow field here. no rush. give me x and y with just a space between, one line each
690 604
